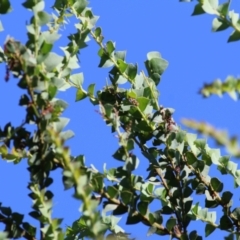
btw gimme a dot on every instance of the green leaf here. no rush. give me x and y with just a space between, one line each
91 89
133 219
131 163
236 214
52 61
35 214
98 32
200 188
43 18
110 47
225 223
105 62
193 235
210 6
30 229
143 207
235 36
6 210
167 210
171 222
191 159
80 5
130 145
67 135
39 6
112 191
17 217
119 154
187 204
3 150
151 55
131 71
126 196
80 94
209 229
77 79
122 66
120 55
52 91
4 6
62 123
219 25
198 10
223 8
226 197
216 185
142 103
231 236
151 231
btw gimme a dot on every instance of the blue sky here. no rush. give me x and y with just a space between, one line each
195 55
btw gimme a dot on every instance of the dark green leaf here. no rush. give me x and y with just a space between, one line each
200 188
133 219
6 210
225 223
191 159
35 214
119 154
187 192
167 210
4 6
171 222
131 163
223 8
226 197
198 9
143 207
216 184
120 210
17 217
126 196
193 235
112 191
236 214
235 36
30 229
209 229
187 205
219 25
211 203
105 61
48 182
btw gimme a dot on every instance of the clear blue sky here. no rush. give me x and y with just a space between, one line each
195 56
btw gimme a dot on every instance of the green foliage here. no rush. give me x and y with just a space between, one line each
178 162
